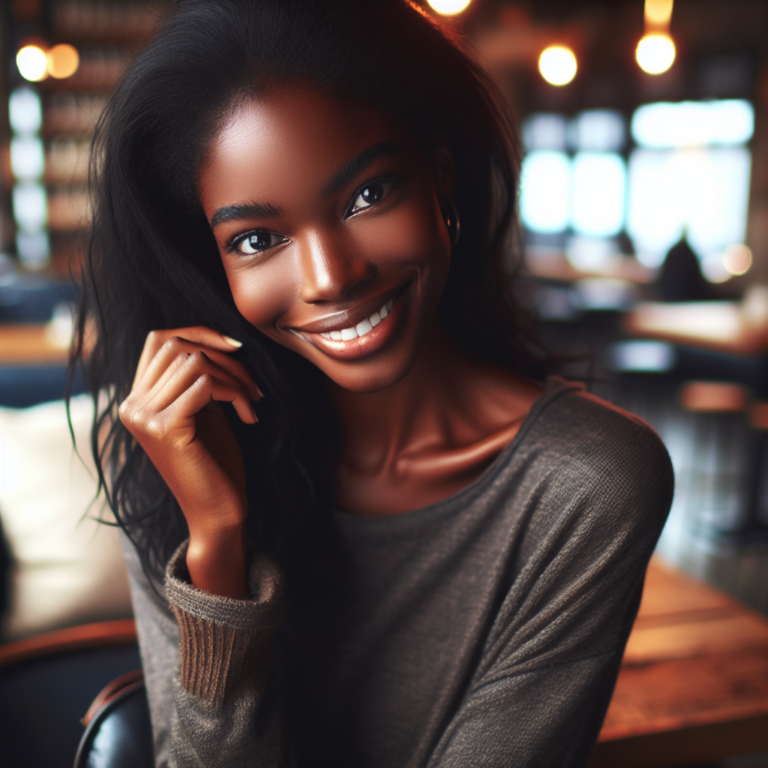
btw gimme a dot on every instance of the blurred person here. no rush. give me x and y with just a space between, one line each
681 278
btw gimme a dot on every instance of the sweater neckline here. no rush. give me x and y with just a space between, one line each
554 386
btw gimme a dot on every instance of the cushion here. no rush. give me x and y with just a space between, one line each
67 568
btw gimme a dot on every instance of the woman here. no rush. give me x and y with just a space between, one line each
419 555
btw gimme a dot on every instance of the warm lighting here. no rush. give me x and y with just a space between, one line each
62 61
658 12
557 65
655 53
32 63
714 397
448 7
737 259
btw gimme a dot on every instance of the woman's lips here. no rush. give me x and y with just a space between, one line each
364 338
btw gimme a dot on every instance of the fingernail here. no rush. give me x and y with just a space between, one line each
233 342
254 414
258 391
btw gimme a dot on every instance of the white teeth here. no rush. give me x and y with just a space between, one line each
363 327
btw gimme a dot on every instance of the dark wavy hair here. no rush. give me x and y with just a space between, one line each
152 262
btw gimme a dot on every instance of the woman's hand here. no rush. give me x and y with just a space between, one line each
173 411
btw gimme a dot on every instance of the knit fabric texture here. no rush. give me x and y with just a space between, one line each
485 630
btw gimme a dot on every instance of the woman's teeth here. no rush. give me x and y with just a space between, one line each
363 327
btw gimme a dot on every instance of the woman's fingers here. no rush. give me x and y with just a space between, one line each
186 397
186 370
205 389
199 335
174 347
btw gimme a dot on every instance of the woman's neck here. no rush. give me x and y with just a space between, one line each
403 417
430 434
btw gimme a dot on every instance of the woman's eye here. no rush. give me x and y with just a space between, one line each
370 194
258 241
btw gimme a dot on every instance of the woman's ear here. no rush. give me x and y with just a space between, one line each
444 172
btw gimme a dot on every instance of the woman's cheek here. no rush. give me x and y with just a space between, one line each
408 236
262 294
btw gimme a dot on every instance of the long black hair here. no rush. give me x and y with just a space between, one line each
152 262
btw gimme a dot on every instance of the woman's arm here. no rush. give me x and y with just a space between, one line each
206 666
207 672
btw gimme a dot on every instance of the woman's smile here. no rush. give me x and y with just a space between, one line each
358 332
328 221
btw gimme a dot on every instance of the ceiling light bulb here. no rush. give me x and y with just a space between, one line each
655 53
557 65
449 7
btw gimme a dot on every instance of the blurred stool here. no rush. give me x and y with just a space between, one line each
740 439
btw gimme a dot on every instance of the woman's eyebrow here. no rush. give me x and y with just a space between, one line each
244 211
351 168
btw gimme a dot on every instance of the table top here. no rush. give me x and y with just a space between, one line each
723 326
693 685
31 345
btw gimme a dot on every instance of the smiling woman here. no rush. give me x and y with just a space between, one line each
311 189
422 554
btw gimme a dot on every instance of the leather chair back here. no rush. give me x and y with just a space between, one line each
118 731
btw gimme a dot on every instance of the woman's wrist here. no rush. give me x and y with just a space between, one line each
216 562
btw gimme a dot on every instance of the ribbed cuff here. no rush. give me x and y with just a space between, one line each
224 642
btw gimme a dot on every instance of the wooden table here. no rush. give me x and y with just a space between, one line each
693 685
29 345
735 328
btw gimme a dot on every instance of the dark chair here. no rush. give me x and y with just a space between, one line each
118 731
47 683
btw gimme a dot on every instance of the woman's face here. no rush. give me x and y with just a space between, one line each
327 218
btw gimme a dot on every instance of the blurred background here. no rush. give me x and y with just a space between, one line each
644 247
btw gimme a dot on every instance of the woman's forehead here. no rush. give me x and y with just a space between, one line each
293 134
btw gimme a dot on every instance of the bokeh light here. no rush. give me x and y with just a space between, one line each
449 7
658 12
655 53
737 259
32 63
25 111
62 61
557 65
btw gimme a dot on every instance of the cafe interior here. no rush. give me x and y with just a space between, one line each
643 252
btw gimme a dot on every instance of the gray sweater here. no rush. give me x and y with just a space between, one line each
484 630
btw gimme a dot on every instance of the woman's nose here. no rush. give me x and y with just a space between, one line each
330 271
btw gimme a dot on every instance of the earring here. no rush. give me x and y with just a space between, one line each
452 222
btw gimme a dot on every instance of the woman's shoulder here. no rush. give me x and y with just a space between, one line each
586 445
